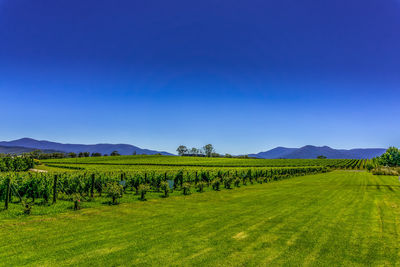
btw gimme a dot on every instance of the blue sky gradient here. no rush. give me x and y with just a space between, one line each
245 76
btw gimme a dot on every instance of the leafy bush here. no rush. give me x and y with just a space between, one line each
143 189
237 182
14 163
77 201
386 171
228 182
216 183
114 191
186 188
27 207
391 157
200 186
165 188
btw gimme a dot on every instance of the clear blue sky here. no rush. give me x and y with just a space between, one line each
244 75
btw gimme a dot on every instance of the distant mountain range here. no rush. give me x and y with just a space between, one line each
28 144
307 152
312 152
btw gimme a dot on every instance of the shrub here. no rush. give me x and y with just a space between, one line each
237 182
186 188
143 189
165 188
216 184
77 201
200 186
228 182
27 207
386 171
114 191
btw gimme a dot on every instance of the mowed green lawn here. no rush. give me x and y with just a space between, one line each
339 218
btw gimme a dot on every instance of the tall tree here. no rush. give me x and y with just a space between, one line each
208 150
182 150
194 151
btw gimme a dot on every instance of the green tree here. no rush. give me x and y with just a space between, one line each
194 151
114 153
182 150
208 150
391 157
321 157
72 155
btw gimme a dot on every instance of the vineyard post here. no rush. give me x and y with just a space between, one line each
92 186
55 189
8 193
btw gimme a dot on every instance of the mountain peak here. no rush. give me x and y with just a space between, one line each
312 152
123 149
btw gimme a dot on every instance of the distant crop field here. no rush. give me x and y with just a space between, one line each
207 162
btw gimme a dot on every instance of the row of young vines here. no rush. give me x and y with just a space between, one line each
48 187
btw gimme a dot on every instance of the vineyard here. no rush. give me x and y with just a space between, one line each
109 180
45 188
326 219
174 205
9 163
142 160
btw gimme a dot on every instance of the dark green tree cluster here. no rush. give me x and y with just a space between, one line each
207 151
390 158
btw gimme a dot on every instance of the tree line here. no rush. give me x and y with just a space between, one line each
206 151
38 154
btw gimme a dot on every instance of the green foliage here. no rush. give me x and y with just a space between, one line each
164 186
208 150
228 182
27 207
15 163
200 186
390 158
143 189
216 183
186 188
386 171
76 198
114 191
182 150
114 153
150 175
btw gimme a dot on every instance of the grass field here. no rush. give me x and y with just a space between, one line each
341 218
